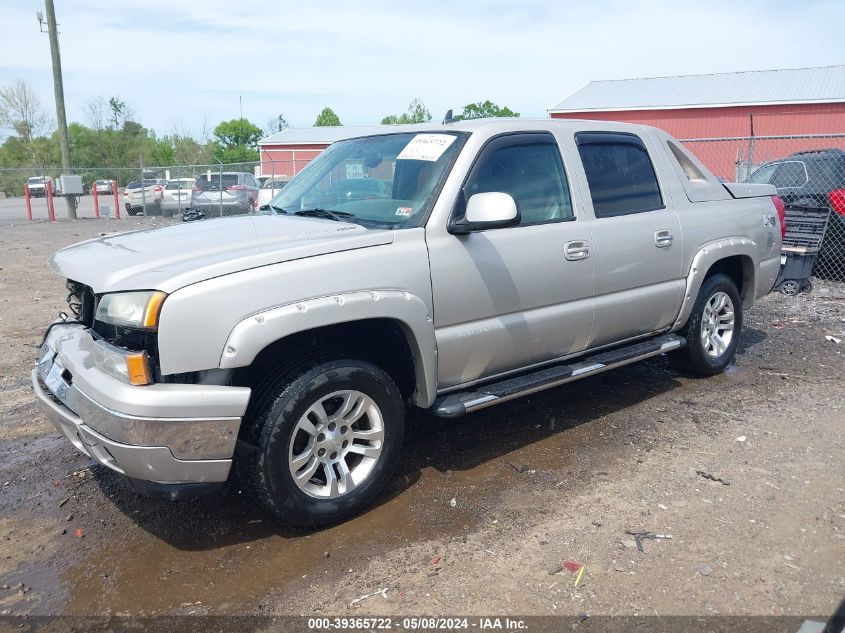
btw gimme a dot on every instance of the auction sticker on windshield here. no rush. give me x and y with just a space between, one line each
426 147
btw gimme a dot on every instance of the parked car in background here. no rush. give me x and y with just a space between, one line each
177 195
814 178
351 189
38 186
149 192
269 189
103 187
229 193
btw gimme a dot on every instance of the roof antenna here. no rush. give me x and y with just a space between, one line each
449 118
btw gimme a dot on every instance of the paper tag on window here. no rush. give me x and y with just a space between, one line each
426 147
405 212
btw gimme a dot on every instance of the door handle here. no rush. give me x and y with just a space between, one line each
663 238
576 250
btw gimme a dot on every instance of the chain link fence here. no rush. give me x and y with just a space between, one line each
809 174
217 189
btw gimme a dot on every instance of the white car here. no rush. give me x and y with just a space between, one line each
177 195
103 187
38 186
269 190
149 193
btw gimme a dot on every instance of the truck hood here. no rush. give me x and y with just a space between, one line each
172 257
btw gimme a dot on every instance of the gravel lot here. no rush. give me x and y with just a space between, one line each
484 510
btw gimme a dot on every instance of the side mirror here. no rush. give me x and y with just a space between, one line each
491 210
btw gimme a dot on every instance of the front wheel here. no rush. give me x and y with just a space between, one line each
712 330
327 436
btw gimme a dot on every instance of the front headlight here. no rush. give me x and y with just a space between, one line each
131 309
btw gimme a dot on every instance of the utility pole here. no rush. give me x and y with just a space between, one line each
58 88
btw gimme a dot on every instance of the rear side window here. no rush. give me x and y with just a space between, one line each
619 173
791 173
764 175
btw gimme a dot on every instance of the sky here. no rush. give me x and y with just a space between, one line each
185 64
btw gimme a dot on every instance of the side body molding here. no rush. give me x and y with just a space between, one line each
708 255
254 333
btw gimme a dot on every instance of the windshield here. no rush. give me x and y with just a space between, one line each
389 180
36 181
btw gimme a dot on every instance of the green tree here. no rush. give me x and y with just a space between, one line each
485 110
119 113
417 113
237 141
327 118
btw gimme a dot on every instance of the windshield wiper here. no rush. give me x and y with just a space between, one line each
337 216
272 206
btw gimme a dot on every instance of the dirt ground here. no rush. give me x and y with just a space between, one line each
484 511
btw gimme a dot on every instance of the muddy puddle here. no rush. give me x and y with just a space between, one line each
148 574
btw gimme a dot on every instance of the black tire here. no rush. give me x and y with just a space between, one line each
277 405
694 357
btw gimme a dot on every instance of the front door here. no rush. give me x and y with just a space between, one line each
512 297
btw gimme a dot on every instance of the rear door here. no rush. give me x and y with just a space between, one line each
636 237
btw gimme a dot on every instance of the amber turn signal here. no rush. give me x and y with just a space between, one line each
153 309
138 367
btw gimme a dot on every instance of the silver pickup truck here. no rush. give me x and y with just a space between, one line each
491 260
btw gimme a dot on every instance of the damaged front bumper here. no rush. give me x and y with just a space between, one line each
163 433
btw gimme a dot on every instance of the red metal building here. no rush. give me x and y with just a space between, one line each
734 121
286 153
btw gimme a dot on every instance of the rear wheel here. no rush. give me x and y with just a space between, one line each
327 434
712 330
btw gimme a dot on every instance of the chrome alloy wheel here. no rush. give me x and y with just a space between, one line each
336 444
717 324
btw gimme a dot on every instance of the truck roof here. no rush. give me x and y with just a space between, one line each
494 126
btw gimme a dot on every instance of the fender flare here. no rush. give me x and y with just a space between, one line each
254 333
704 259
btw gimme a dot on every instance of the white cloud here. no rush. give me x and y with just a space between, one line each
190 61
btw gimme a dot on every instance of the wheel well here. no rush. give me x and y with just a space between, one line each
379 341
740 269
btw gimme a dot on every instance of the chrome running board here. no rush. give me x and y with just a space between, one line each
481 397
